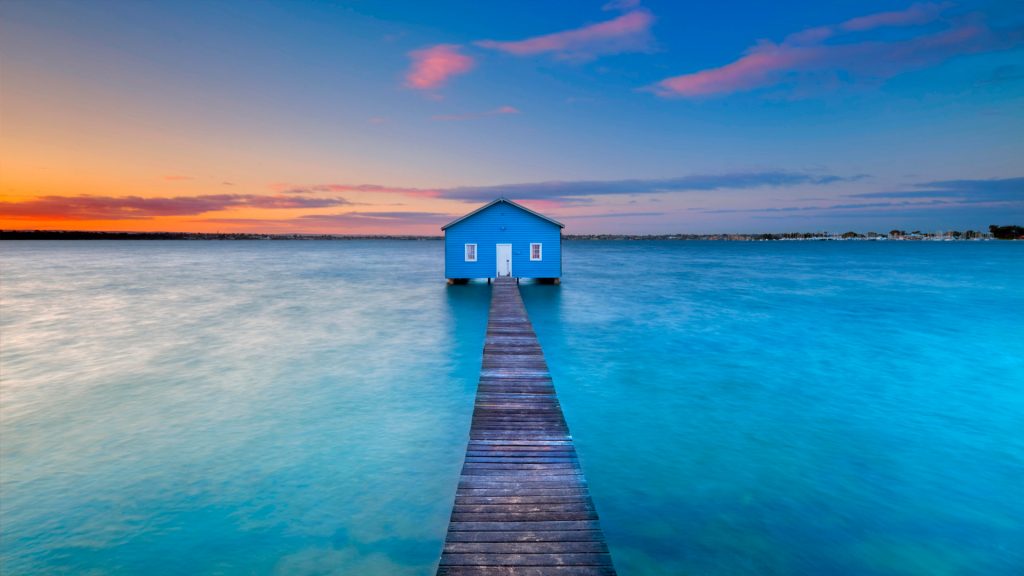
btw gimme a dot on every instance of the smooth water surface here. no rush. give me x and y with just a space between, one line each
231 407
840 408
302 407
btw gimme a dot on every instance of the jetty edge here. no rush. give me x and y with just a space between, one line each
522 506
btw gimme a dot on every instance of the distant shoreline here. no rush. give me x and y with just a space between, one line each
969 236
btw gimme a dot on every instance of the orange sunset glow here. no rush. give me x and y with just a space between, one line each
348 120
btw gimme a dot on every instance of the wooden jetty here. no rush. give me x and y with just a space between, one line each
522 506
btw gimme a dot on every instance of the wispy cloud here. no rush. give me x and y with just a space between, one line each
342 221
377 218
809 52
984 190
373 188
613 215
825 207
578 191
630 32
901 214
502 111
620 5
698 182
915 15
433 66
998 196
84 207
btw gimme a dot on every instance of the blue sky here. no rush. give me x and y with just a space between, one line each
620 117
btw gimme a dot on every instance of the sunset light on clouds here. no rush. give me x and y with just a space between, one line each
768 63
431 67
627 33
392 118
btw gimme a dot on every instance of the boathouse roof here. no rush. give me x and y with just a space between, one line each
506 201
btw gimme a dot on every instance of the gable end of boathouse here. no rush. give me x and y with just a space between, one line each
503 238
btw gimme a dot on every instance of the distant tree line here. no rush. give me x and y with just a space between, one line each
90 235
966 234
1007 232
1000 232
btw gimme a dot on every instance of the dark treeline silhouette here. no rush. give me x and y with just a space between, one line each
88 235
1001 232
1007 232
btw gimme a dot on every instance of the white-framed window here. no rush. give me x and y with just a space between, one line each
470 252
536 251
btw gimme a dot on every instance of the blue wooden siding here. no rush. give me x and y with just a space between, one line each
503 223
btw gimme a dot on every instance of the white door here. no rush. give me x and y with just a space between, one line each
504 259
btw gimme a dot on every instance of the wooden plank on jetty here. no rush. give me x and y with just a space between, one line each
522 506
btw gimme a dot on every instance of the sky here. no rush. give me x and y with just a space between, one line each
393 117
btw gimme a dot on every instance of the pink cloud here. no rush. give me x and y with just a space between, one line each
502 111
759 67
807 53
84 207
814 35
431 67
344 222
352 218
629 32
915 15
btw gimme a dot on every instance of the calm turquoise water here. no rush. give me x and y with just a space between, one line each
302 407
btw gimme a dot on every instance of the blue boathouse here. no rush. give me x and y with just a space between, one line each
503 238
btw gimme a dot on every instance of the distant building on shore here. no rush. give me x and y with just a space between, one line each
503 238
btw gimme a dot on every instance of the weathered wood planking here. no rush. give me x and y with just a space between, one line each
522 506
